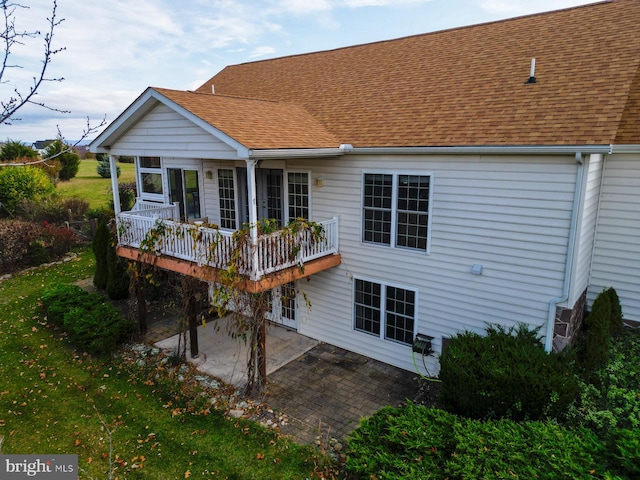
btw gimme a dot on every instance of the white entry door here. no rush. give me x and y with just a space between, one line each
284 306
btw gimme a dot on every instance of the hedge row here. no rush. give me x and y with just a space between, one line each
415 442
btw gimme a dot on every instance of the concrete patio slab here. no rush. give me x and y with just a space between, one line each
225 357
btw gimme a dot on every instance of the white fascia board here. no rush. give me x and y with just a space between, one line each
483 150
295 153
141 106
625 149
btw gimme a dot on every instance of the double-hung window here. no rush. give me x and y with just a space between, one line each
396 210
385 311
150 171
298 195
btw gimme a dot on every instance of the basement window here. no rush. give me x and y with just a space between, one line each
385 311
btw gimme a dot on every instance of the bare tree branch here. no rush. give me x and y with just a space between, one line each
10 37
86 133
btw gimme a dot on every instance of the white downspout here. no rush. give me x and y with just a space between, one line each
551 319
253 213
114 184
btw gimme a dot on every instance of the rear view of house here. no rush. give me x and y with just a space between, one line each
485 174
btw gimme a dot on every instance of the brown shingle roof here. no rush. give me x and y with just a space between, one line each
459 87
256 124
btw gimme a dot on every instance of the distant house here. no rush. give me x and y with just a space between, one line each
485 174
41 145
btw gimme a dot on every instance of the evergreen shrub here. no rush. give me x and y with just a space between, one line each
603 321
100 247
93 324
117 274
415 442
104 168
97 330
505 374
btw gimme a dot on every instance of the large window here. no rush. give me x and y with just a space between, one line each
396 210
298 195
227 199
385 311
150 178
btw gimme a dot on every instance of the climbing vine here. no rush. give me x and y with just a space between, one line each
235 259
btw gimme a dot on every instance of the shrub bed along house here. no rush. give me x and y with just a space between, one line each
416 442
505 374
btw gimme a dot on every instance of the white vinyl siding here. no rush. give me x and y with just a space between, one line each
616 259
165 133
585 228
509 214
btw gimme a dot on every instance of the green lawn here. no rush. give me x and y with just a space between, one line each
90 186
58 401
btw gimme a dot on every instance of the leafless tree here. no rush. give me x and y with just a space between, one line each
27 94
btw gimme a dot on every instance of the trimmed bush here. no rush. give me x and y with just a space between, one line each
58 300
415 442
93 325
22 183
97 330
505 374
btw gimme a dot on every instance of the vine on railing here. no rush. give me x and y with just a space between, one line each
241 261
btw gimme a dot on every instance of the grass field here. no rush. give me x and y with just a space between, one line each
54 400
90 186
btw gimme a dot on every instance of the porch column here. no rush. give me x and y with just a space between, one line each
114 184
253 213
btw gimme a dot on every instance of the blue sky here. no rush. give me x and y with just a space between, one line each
114 49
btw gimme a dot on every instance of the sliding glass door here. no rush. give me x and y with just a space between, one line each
184 188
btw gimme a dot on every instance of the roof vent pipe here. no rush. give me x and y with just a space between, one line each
532 75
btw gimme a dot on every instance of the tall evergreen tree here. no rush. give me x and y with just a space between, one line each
100 246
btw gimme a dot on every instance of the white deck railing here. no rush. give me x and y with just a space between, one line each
152 229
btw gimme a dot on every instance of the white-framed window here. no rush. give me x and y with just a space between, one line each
227 195
297 195
396 209
385 311
150 180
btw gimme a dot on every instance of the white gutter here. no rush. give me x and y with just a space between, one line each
485 150
460 150
296 153
625 149
551 318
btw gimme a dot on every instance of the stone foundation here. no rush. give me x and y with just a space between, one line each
568 323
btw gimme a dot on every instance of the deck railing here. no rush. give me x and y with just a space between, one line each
154 230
